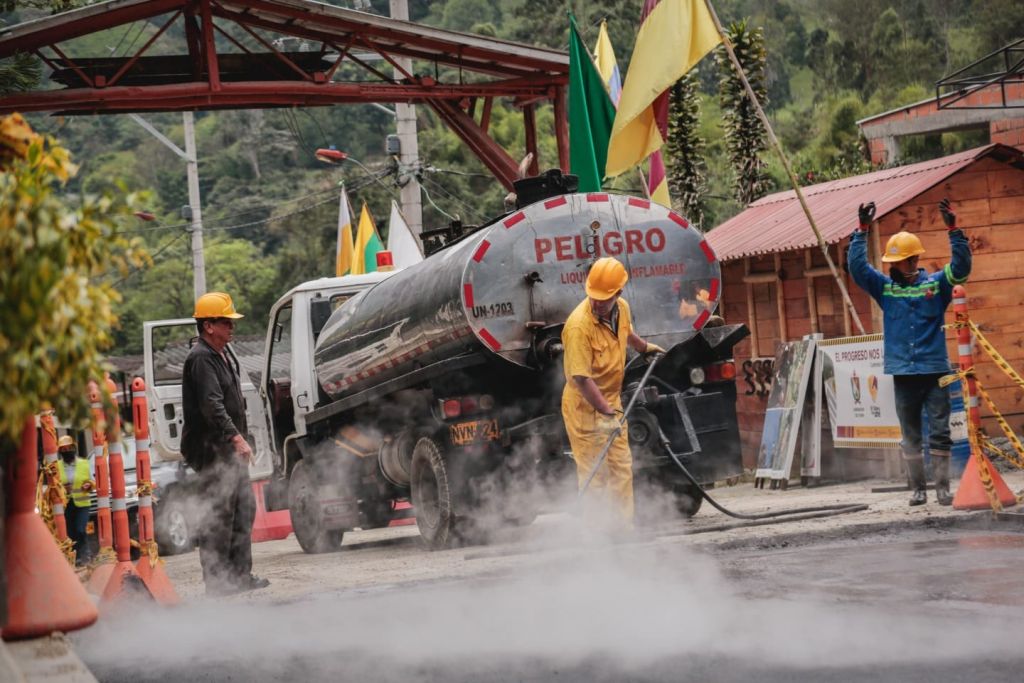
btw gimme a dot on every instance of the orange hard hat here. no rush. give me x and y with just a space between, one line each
902 246
607 277
65 442
215 305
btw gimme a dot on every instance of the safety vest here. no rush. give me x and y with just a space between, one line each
80 497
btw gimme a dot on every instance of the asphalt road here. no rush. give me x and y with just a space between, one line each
921 605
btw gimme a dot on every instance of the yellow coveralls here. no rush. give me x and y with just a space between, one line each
593 350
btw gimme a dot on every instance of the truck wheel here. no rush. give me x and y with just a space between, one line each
687 499
173 533
431 495
305 513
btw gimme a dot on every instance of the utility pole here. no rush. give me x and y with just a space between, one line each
195 209
195 213
405 123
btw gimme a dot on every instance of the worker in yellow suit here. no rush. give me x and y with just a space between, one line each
595 338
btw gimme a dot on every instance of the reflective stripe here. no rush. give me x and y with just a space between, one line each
49 457
953 280
146 502
115 448
973 403
102 501
142 445
119 504
960 300
964 349
58 509
96 405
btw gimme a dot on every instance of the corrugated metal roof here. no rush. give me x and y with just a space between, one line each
777 223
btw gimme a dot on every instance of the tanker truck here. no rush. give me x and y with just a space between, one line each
440 384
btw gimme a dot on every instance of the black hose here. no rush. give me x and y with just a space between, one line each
827 510
805 512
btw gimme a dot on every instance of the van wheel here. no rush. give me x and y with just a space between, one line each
173 532
305 513
431 495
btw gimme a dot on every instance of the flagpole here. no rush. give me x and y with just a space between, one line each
785 163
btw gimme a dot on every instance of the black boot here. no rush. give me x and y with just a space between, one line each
915 471
941 467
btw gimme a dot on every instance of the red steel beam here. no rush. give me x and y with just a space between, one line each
142 50
493 156
209 46
485 64
248 93
103 18
561 129
530 125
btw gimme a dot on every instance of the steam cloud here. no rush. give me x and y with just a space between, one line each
652 612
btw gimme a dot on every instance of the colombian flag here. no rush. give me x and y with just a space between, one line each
367 244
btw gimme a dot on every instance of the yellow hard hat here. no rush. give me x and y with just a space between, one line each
606 278
901 246
215 305
65 441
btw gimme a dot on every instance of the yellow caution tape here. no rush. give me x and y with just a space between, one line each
996 357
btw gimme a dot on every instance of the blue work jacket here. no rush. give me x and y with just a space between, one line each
913 314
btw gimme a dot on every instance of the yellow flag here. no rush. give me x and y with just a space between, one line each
343 255
674 35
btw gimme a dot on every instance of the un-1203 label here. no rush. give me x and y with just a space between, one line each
499 310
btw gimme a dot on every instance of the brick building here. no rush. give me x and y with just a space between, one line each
775 278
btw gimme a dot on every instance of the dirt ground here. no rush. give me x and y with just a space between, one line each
386 557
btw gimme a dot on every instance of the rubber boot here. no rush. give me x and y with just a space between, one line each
915 469
941 467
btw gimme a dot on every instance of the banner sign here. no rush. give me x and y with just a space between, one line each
861 401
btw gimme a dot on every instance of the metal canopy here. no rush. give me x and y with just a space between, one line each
992 82
244 54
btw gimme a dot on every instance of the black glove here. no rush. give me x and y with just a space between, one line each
866 215
948 217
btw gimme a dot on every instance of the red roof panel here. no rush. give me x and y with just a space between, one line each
777 223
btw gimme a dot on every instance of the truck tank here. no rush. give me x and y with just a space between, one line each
491 292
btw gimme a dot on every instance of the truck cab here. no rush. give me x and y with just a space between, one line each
288 386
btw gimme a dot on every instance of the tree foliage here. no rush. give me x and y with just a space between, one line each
685 151
56 301
746 138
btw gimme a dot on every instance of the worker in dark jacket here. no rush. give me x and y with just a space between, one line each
213 443
914 304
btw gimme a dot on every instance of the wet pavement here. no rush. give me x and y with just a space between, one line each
920 605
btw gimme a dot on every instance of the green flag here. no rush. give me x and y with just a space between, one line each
591 115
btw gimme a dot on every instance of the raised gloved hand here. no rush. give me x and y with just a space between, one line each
653 350
948 217
866 215
607 424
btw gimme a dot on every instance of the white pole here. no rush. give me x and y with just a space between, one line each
405 124
198 259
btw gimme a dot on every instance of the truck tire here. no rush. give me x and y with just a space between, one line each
174 533
431 495
687 500
305 513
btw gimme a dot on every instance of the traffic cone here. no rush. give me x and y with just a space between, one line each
970 494
124 579
150 567
43 592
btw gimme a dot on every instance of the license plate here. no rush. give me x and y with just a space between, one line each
465 433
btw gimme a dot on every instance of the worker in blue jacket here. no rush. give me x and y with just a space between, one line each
914 303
